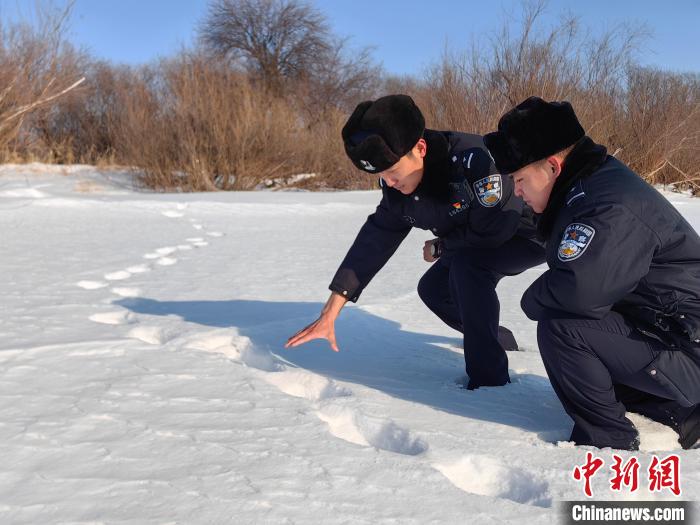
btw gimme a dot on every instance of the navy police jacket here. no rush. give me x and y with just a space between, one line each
461 199
615 243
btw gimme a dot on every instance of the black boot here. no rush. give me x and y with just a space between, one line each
507 340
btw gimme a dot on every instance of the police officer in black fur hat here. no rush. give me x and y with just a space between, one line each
444 182
618 310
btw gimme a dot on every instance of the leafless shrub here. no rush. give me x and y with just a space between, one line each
338 80
471 90
660 132
648 118
35 71
193 123
268 94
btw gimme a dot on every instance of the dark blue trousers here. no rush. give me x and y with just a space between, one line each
460 288
599 370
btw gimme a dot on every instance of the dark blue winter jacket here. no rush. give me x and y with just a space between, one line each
461 199
615 243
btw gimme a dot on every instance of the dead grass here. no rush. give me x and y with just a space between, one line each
194 122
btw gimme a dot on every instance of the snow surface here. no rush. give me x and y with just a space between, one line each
143 377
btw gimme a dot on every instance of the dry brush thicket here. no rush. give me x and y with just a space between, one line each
37 69
646 117
239 110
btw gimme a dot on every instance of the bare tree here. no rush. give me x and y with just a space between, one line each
287 45
273 39
35 69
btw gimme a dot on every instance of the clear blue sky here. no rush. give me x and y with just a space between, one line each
406 35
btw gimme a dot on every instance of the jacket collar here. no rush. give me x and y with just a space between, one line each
582 161
435 163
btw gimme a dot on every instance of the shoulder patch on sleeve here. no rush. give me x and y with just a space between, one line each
489 190
577 236
478 170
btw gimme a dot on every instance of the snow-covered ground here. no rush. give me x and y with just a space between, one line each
143 377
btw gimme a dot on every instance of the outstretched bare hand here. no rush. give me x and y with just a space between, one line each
321 328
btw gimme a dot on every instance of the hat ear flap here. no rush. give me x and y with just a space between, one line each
353 122
498 148
372 155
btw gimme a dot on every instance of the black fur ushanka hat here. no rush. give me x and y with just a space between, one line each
380 132
532 131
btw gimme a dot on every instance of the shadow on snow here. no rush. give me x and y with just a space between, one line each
377 353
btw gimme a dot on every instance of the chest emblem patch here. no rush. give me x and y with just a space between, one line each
460 195
574 242
488 190
458 207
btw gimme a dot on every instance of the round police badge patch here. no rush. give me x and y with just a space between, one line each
488 190
574 242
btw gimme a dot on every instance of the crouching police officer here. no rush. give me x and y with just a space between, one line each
444 182
618 310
